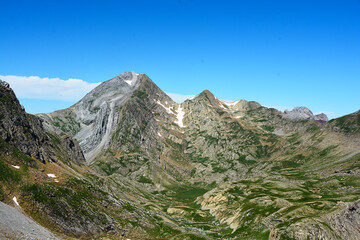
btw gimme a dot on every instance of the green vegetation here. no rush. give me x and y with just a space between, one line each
22 157
242 159
67 124
2 194
348 124
8 174
141 94
218 169
144 179
5 98
96 109
268 128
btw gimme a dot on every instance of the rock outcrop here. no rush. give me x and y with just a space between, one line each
26 132
304 113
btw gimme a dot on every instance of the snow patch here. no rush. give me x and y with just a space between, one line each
17 167
180 116
168 109
51 175
130 82
227 103
15 201
231 103
159 134
279 132
56 180
238 116
133 79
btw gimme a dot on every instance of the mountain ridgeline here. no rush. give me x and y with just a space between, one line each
132 163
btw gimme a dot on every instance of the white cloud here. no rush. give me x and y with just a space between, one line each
34 87
178 97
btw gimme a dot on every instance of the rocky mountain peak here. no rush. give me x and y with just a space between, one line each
208 96
304 113
131 78
95 117
322 117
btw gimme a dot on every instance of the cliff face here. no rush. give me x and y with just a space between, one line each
27 133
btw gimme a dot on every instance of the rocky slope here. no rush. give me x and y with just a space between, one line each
26 132
203 169
15 225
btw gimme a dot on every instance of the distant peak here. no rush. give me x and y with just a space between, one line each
208 94
299 110
304 113
128 75
131 78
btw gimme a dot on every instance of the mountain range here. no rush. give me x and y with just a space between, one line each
127 162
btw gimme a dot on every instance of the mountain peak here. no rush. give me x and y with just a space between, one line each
304 113
131 78
206 94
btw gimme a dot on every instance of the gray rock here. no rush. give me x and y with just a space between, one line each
94 118
15 225
299 113
26 131
321 117
4 84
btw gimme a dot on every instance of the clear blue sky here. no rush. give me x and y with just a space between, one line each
279 53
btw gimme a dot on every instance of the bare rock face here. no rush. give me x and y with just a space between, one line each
346 222
322 117
299 113
4 84
26 132
94 118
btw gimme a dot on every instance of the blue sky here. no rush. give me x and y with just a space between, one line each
279 53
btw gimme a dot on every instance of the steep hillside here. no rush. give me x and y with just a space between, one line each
349 124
